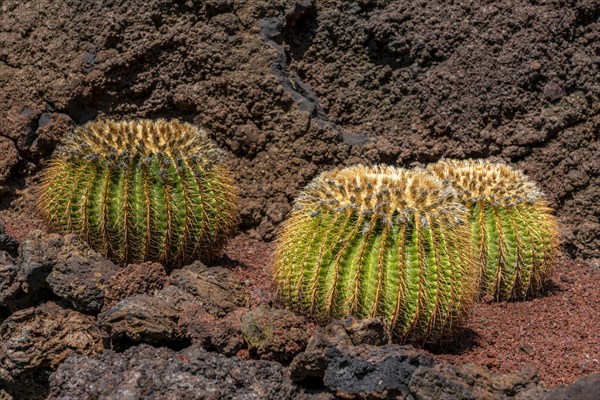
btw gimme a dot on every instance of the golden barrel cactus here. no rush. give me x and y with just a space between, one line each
379 242
141 190
512 227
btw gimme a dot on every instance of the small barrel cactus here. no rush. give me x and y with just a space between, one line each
512 227
141 190
379 242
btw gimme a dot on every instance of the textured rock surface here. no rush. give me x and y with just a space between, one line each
38 254
134 279
199 293
291 88
474 382
274 334
9 285
216 289
145 372
586 388
7 242
223 335
34 341
82 280
352 361
141 318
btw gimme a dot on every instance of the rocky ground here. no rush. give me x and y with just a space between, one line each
290 88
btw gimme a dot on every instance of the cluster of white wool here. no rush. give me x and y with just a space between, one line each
394 194
144 140
480 180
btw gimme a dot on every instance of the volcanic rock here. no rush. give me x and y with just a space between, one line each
274 334
38 254
147 277
7 242
145 372
223 335
82 280
215 288
141 318
34 341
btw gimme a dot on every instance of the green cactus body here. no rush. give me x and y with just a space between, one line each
512 227
141 191
379 242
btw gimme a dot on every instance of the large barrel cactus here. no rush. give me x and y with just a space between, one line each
512 227
379 242
141 190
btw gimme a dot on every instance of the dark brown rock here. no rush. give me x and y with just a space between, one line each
587 388
39 252
444 381
9 285
8 243
35 341
82 279
141 318
134 279
9 157
51 126
553 91
274 334
223 335
145 372
339 334
215 288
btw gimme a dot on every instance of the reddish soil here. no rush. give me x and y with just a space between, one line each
557 333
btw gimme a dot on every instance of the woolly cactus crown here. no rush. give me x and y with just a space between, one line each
476 180
392 193
512 227
114 142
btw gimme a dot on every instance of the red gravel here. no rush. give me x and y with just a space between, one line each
558 333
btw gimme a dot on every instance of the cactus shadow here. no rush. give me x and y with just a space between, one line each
464 340
223 260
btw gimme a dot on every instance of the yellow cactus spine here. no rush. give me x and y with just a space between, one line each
379 242
141 190
512 227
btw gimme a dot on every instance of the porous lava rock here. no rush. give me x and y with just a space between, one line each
147 277
585 388
7 242
154 318
82 279
141 318
145 372
216 289
34 341
39 253
223 335
274 334
350 358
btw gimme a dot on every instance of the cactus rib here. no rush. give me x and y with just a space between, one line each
512 226
141 190
379 242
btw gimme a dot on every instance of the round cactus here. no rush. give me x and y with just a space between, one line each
512 227
140 190
379 242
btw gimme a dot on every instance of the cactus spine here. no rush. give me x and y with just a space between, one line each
511 226
140 190
379 242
